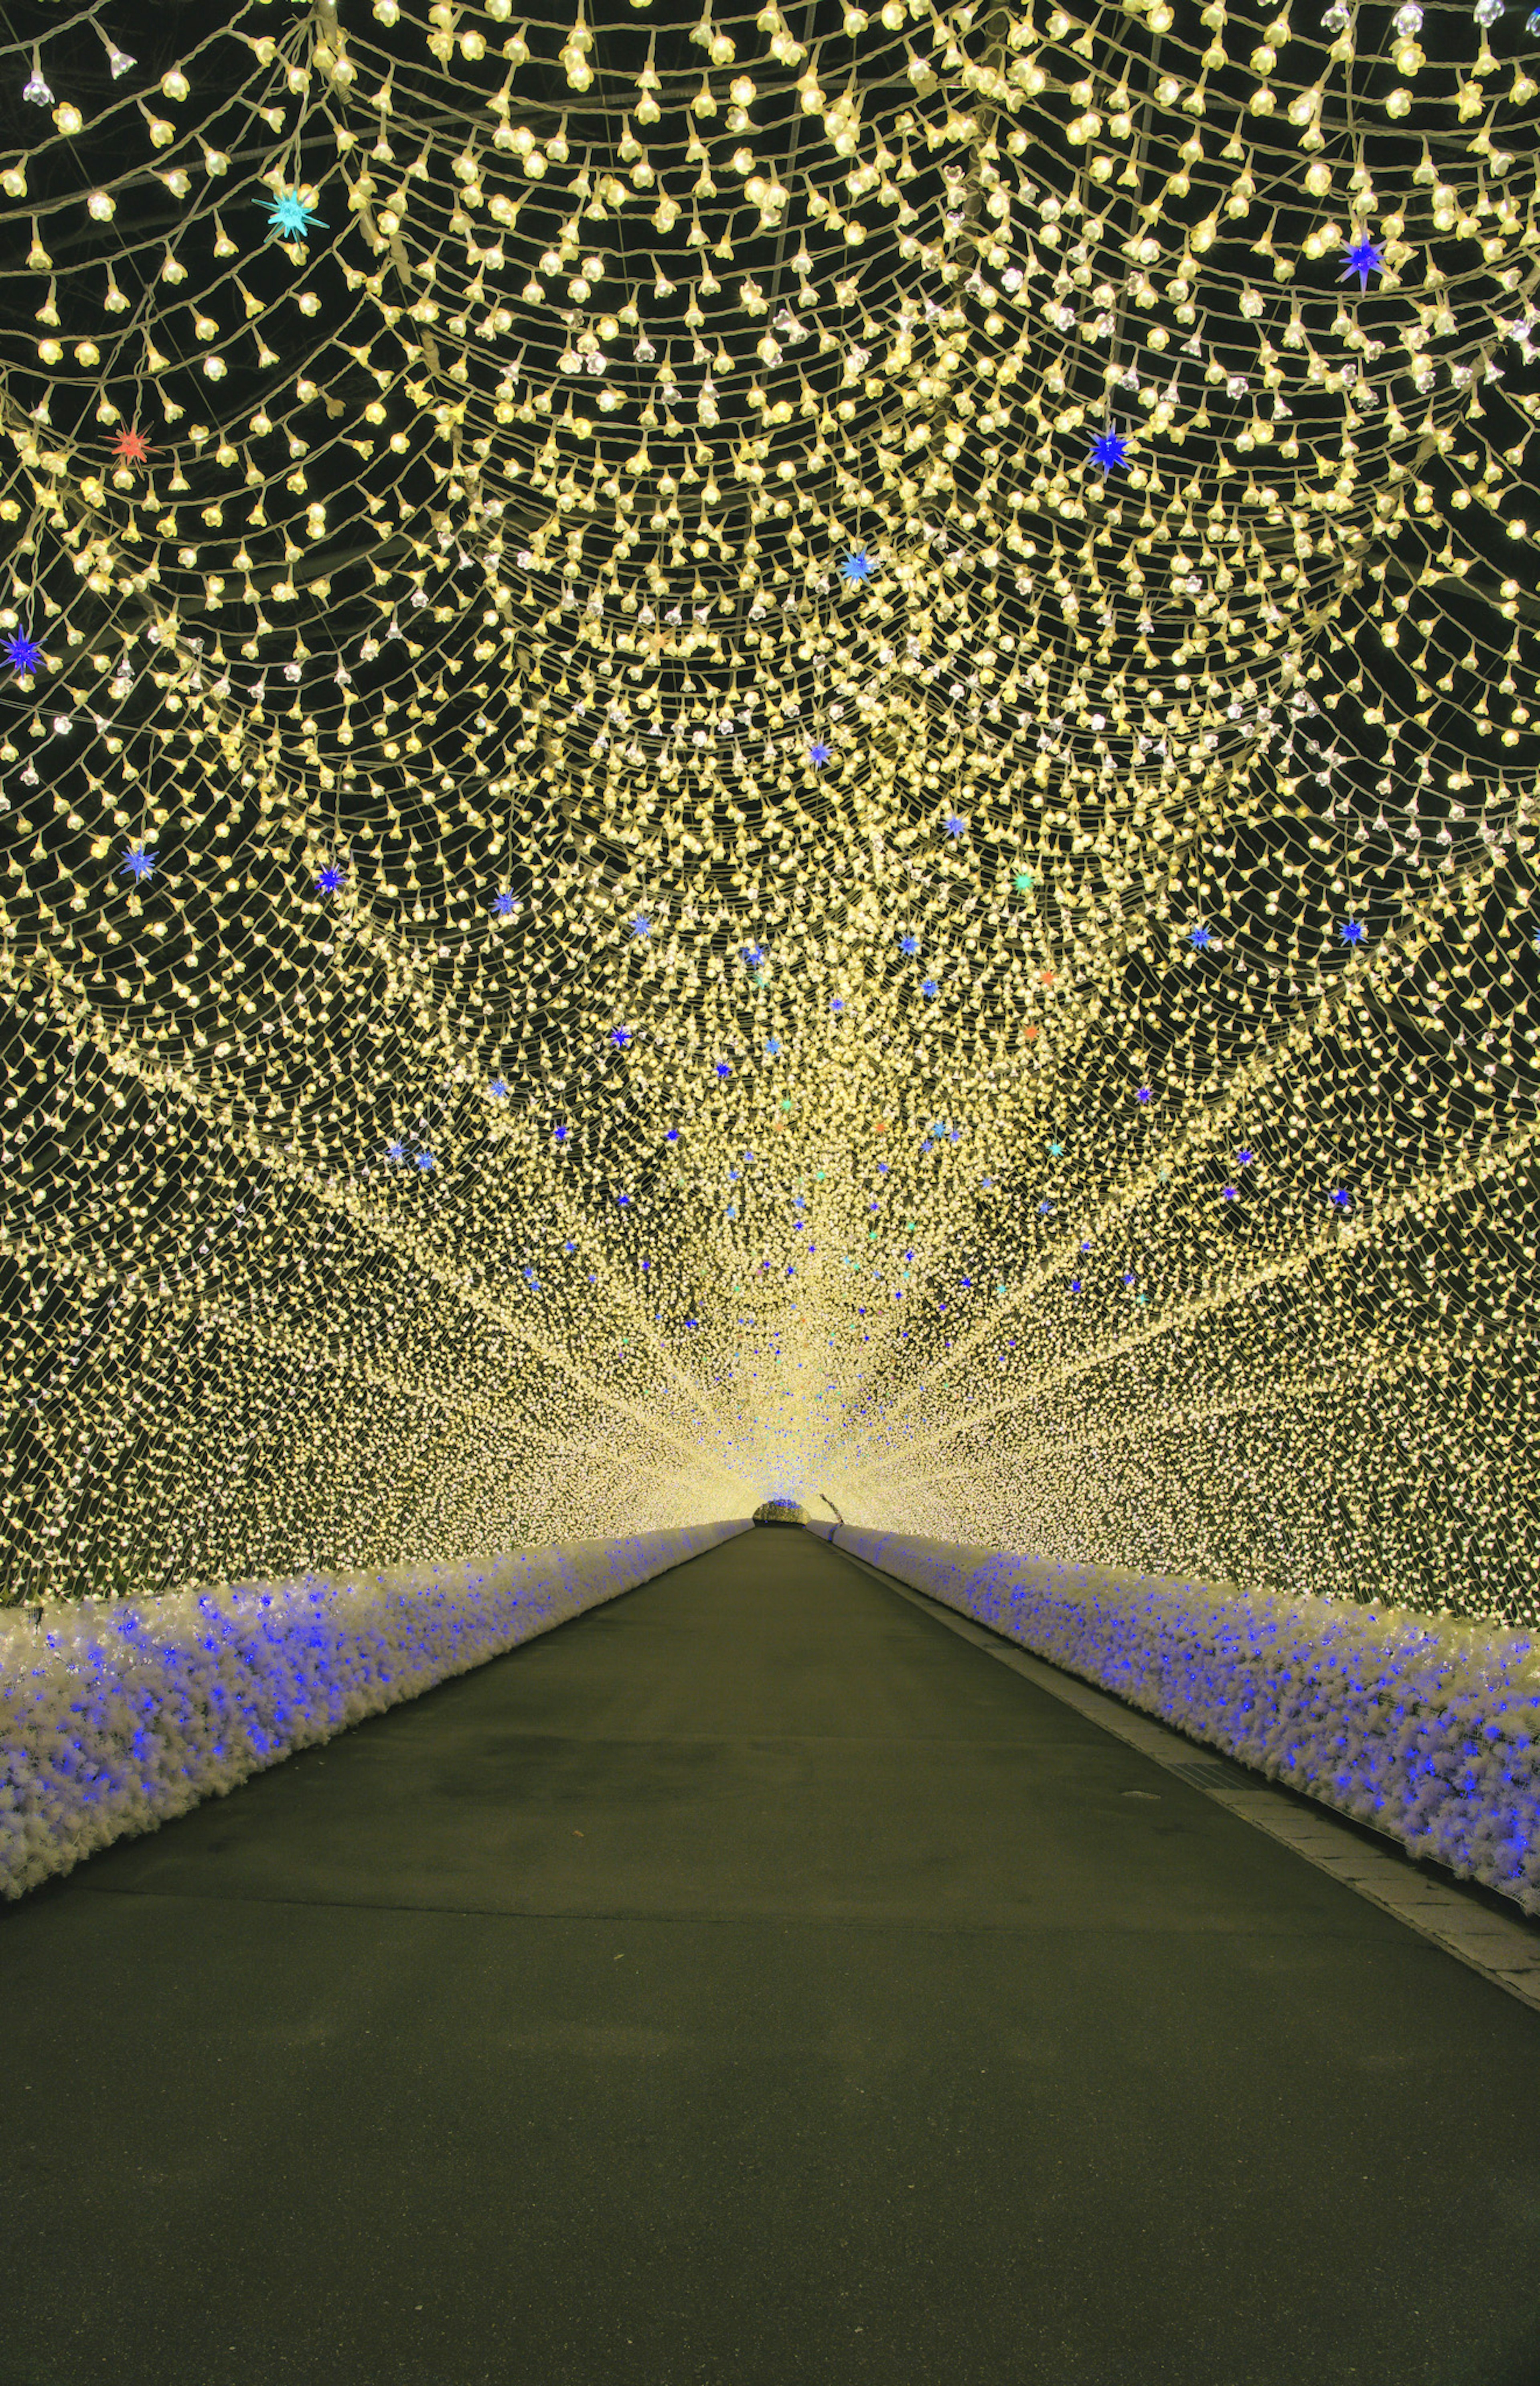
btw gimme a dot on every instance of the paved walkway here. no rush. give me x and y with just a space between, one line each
751 1983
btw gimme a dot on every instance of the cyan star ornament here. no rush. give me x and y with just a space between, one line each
289 218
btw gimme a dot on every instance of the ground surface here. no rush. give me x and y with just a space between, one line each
750 1983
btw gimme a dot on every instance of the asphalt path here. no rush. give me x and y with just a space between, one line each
750 1982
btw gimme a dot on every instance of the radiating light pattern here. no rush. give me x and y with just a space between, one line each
785 753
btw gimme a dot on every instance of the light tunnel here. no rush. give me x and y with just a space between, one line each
769 770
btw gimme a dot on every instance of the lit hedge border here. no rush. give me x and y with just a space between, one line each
1425 1726
116 1716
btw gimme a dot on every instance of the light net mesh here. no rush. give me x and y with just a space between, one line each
792 753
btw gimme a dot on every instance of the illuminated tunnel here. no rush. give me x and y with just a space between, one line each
769 970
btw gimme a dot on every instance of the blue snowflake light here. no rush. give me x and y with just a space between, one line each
619 1037
1341 1197
772 1045
330 880
640 925
503 904
558 1135
425 1161
956 824
1245 1158
1351 932
1363 258
929 989
910 945
396 1151
856 567
1110 449
1199 939
499 1089
138 863
725 1068
289 218
23 654
1142 1094
819 754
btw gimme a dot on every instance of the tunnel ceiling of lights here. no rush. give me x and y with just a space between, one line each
770 754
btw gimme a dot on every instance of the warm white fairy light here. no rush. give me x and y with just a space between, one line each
701 718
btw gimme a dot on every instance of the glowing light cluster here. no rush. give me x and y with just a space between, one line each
793 752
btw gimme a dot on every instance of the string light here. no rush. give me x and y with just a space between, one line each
1001 513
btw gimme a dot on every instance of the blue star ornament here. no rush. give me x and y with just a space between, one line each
137 863
856 567
289 218
503 904
1110 449
819 754
1351 932
1363 258
23 654
956 825
1199 939
330 880
910 945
